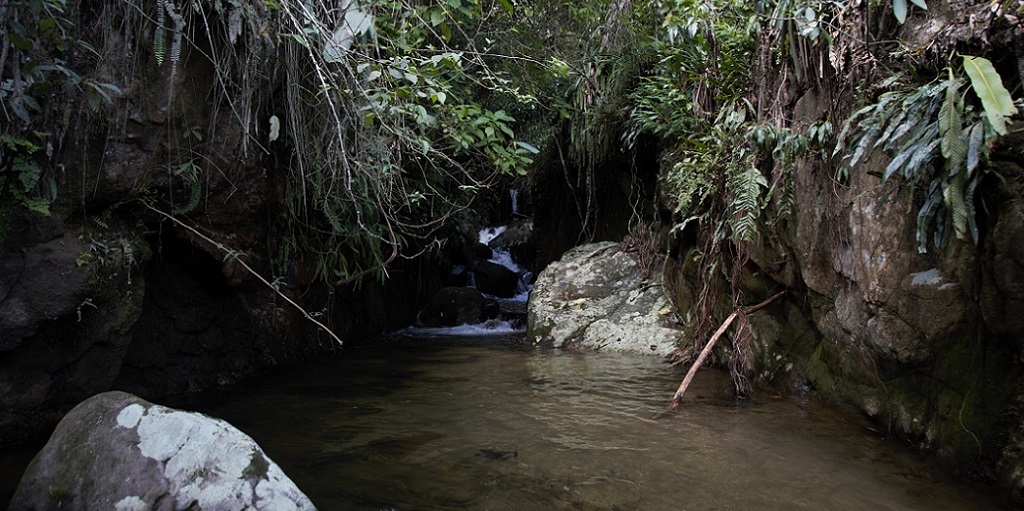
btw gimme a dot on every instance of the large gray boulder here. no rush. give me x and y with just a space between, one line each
598 297
117 452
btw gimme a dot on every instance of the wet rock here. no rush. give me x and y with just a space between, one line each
116 451
69 298
597 297
495 279
482 252
453 306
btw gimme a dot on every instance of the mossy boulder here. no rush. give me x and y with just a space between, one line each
597 297
116 451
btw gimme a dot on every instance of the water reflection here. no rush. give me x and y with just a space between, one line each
497 424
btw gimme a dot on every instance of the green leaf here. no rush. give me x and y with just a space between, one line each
28 173
897 163
528 147
359 21
989 87
920 3
899 8
953 195
19 42
926 215
975 146
923 155
507 4
954 149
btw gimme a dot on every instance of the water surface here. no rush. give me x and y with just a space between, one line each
494 423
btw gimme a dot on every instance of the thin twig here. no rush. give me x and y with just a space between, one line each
677 399
247 268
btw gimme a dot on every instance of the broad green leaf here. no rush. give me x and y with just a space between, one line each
897 163
359 21
975 146
923 155
989 87
953 195
436 17
920 3
954 149
527 146
899 8
507 4
863 144
19 42
972 214
926 215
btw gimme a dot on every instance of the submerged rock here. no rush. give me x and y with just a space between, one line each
118 452
597 297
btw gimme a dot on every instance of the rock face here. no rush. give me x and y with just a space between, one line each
115 451
596 297
927 344
67 306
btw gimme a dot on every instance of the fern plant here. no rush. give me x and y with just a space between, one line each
917 126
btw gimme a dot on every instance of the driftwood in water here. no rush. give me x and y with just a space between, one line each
678 398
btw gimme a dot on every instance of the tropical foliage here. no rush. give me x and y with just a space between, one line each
388 115
919 125
37 41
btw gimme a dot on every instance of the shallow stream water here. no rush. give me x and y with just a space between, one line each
478 423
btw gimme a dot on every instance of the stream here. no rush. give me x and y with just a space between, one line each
430 422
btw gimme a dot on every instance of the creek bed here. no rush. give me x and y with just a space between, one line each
438 423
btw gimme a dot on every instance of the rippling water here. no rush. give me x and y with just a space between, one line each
493 423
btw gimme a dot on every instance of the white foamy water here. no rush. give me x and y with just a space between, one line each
487 234
489 327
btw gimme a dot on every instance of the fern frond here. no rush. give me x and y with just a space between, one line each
179 27
159 37
745 208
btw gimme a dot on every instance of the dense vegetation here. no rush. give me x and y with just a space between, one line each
389 117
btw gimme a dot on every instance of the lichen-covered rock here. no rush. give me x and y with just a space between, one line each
118 452
597 297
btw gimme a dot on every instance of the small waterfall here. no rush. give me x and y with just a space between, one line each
489 288
514 195
502 256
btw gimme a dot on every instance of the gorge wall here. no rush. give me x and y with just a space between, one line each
928 344
105 293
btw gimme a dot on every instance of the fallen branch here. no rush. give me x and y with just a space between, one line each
677 399
248 268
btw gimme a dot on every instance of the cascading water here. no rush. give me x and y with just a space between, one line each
503 257
514 196
490 273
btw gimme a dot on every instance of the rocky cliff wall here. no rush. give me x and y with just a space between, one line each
928 344
105 293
